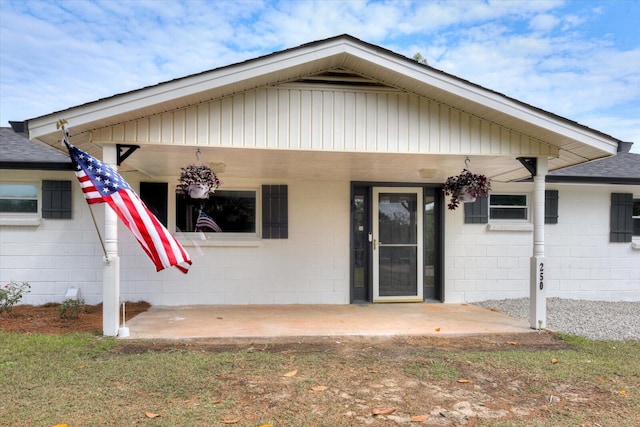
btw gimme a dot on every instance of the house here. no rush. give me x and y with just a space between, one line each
332 155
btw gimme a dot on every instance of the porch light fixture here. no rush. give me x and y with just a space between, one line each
428 173
466 187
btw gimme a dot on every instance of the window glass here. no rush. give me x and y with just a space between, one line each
508 207
227 211
19 198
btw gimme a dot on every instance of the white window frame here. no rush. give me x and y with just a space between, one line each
23 218
527 208
198 238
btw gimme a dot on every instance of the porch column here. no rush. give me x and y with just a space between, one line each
111 271
537 288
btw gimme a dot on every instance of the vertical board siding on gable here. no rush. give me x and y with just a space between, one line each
327 119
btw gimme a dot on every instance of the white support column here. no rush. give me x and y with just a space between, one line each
537 288
111 271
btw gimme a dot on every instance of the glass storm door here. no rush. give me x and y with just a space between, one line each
397 244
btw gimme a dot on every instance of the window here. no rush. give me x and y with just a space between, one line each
505 207
19 198
225 211
514 207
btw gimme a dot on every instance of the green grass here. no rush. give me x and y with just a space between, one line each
87 380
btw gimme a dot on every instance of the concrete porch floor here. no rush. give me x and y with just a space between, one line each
269 321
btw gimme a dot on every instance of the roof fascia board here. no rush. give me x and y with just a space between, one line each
566 179
44 166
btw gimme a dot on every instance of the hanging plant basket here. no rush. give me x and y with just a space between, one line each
465 188
198 181
199 191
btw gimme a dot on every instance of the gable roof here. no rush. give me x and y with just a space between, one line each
352 58
18 152
623 168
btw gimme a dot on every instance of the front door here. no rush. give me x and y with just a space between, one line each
397 257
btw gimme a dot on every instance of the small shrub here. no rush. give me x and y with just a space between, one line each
70 309
11 294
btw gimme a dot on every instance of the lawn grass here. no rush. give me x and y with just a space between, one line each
83 380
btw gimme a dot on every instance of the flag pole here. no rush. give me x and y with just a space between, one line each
95 224
60 125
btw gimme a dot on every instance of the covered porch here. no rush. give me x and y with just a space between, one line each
321 320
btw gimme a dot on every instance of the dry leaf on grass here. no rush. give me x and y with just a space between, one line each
624 392
151 415
385 411
291 373
231 421
554 360
512 342
464 381
319 388
419 418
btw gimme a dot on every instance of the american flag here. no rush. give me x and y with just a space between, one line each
205 221
102 184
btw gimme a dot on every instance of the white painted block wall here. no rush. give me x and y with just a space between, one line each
581 263
310 267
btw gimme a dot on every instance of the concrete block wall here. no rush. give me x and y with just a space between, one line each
580 262
55 254
310 267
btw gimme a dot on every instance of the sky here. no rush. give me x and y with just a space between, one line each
577 59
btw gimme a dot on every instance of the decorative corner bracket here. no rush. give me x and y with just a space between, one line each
531 163
123 151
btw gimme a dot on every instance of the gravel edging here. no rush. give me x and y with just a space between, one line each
596 320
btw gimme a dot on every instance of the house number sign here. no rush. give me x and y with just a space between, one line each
541 271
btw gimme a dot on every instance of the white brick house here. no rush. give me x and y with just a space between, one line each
332 147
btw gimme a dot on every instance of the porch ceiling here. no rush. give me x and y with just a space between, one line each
165 161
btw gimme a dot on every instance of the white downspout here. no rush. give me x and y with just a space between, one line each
111 271
537 287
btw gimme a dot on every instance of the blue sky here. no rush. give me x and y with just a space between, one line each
577 59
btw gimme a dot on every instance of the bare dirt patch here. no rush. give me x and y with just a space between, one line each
45 319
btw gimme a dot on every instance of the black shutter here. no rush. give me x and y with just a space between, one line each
621 221
275 212
56 199
477 212
155 196
551 207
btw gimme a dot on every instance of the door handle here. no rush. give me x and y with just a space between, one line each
375 244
